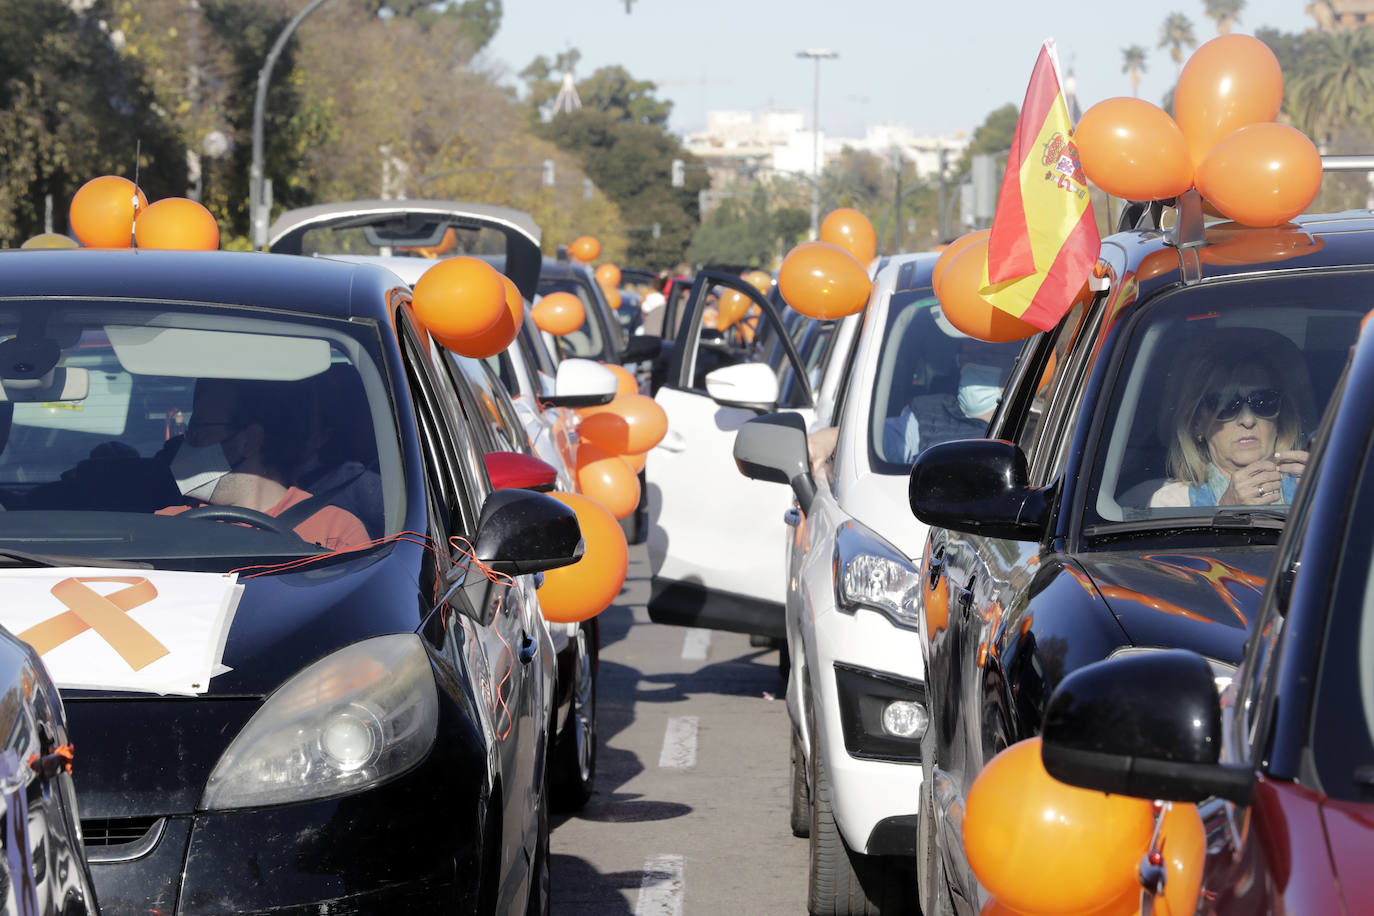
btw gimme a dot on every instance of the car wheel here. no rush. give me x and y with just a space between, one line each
574 753
801 793
843 882
540 882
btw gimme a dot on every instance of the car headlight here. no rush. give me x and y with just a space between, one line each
870 572
1222 673
354 719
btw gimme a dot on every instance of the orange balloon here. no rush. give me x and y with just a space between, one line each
850 230
501 334
936 603
625 381
761 280
1229 82
102 212
732 307
967 310
586 588
613 298
559 313
1041 846
822 280
1128 904
50 240
608 275
1132 149
1183 842
1261 174
631 423
636 460
585 248
952 251
709 317
459 298
176 223
607 478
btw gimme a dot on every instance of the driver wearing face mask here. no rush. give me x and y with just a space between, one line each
242 439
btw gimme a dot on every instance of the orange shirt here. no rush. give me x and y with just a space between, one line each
330 527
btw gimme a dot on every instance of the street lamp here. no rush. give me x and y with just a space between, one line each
818 55
257 205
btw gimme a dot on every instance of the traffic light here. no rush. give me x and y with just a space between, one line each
679 173
548 173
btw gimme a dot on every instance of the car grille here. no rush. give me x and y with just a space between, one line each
116 831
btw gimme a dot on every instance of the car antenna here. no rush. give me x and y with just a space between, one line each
138 154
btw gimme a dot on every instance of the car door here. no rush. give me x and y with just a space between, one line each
713 532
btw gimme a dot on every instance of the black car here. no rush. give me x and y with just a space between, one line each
1133 485
343 705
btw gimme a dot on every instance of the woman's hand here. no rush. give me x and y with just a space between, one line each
1256 484
1294 462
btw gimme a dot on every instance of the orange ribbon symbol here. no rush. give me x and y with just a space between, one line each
87 609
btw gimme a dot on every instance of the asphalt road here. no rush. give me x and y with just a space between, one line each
689 814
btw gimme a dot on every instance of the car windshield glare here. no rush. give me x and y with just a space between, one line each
1220 387
191 437
933 383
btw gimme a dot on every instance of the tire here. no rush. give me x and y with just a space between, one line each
843 882
573 757
801 793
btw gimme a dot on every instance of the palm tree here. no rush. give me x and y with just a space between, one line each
1226 13
1133 64
1336 86
1176 34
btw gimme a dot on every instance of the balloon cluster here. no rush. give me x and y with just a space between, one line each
111 212
608 278
956 279
1044 848
586 588
828 278
615 439
1222 139
468 306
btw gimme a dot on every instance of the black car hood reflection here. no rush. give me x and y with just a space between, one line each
1200 599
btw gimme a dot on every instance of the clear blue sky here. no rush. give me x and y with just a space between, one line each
937 65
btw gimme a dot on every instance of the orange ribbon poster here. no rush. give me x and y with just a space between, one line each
159 632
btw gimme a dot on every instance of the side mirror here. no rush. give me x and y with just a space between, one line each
641 347
978 486
752 386
773 447
525 532
518 471
1146 725
582 383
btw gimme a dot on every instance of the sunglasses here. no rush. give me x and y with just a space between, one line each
1263 403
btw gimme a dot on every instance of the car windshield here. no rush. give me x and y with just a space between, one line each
191 437
415 235
933 384
586 342
1219 389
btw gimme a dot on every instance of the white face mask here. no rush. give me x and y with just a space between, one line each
198 469
978 388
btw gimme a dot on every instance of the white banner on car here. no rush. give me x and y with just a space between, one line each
151 631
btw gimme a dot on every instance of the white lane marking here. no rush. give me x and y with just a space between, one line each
696 643
660 890
679 743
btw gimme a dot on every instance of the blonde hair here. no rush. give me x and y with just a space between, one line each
1216 371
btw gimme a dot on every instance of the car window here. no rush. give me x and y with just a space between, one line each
1216 378
587 341
142 411
932 384
501 431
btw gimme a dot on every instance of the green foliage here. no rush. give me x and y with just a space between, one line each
750 230
628 100
992 137
477 20
1176 34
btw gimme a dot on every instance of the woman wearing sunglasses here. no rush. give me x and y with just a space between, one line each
1236 437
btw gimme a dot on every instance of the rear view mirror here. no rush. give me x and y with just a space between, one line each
752 386
773 447
582 383
525 532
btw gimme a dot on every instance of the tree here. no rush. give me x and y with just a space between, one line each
749 230
1176 34
1335 87
1225 13
543 76
477 20
1133 64
630 101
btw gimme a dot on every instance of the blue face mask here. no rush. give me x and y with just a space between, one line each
979 388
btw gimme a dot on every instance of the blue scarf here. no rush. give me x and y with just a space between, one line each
1209 493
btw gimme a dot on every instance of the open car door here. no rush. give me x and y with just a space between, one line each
715 535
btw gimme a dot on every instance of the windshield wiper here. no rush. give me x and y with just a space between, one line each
1224 521
28 560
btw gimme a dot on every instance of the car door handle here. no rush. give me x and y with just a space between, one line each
792 516
527 648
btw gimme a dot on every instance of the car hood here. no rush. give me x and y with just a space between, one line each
879 501
1200 599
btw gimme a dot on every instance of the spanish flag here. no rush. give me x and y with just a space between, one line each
1044 238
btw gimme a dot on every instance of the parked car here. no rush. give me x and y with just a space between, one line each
856 691
405 237
1280 761
1131 488
44 868
343 705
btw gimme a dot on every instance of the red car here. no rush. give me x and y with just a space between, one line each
1281 763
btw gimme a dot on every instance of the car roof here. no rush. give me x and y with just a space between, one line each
319 286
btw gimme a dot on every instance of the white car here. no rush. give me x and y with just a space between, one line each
856 693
